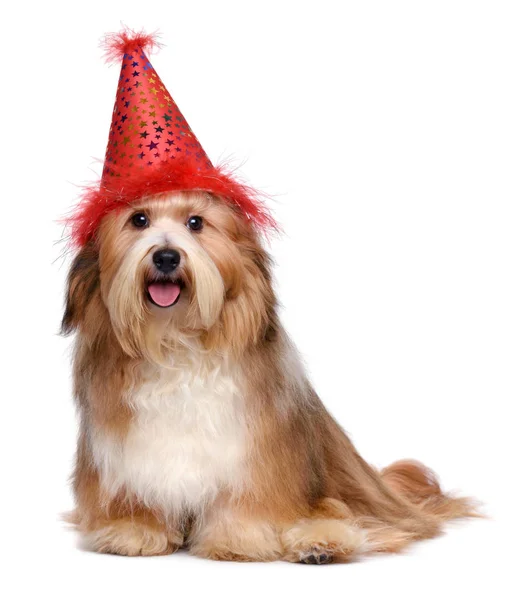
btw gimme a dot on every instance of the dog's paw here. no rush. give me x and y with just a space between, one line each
130 539
317 555
322 541
226 555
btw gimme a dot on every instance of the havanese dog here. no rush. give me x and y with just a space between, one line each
198 426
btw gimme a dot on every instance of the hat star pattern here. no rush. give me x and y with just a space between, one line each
147 127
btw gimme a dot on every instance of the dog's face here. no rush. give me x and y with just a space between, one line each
183 264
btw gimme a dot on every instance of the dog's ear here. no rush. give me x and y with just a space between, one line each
82 283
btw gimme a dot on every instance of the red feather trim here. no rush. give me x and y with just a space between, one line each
97 200
117 44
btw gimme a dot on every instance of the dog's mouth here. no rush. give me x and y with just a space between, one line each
164 293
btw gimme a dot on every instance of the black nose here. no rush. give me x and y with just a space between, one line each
166 260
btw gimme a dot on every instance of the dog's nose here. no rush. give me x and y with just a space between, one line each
166 260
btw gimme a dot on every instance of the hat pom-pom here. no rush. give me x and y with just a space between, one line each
116 45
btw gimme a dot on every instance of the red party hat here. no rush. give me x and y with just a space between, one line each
151 148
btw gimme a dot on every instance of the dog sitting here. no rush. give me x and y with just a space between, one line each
198 425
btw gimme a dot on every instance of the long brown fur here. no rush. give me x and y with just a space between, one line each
309 495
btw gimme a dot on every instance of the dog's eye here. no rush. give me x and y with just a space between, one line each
139 220
195 223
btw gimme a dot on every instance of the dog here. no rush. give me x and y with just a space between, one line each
198 425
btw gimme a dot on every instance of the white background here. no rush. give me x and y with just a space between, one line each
381 130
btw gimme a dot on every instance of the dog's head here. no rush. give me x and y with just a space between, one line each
173 267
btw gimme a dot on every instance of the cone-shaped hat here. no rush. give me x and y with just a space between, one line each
151 148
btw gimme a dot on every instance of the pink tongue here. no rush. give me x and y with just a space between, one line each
164 294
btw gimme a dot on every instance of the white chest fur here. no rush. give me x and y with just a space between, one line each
185 443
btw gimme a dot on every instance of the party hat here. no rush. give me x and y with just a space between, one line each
151 148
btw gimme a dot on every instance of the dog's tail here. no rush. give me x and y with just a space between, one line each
427 508
418 484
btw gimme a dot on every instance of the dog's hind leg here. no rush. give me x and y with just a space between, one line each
321 541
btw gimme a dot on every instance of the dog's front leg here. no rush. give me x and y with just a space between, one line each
231 530
118 523
132 536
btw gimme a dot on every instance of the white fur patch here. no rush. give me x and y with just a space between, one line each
186 441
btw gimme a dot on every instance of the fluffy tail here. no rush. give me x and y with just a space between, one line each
420 486
429 507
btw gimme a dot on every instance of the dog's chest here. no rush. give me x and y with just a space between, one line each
185 443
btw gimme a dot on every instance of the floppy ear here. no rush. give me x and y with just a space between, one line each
82 283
